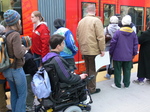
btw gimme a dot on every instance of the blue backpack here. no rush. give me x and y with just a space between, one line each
40 84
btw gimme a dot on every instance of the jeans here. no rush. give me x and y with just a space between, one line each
18 88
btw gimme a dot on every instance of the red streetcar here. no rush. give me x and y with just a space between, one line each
73 10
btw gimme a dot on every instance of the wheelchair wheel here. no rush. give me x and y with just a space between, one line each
73 109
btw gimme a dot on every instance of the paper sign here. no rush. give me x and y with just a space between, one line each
102 61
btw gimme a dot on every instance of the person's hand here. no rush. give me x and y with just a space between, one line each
102 53
83 76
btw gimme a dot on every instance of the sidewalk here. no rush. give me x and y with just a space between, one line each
134 99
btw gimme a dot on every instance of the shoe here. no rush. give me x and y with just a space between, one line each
138 82
114 86
97 91
126 87
29 109
107 76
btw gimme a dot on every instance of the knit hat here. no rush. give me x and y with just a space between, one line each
26 41
11 17
126 20
113 19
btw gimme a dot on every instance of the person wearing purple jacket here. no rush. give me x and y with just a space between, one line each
60 64
123 48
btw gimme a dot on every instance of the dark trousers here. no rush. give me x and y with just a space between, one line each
30 94
125 66
90 70
3 104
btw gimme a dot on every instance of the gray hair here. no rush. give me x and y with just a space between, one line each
91 8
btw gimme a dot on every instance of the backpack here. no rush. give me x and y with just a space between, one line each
5 60
40 84
107 36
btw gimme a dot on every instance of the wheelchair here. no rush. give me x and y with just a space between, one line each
65 97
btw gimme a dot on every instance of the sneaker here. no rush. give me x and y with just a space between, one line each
107 76
114 86
29 109
97 91
138 82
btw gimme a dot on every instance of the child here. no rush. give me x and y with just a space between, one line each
30 69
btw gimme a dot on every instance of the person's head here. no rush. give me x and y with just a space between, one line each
57 42
36 17
59 23
118 16
2 28
126 20
114 20
26 41
12 19
91 9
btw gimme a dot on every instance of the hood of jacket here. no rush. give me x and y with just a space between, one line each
126 31
35 26
113 28
59 23
49 56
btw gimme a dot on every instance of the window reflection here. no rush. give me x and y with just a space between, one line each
136 14
84 5
9 4
147 15
109 11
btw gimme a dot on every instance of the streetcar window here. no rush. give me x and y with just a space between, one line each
84 5
147 15
9 4
137 15
109 10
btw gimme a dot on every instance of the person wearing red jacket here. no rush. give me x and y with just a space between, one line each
40 36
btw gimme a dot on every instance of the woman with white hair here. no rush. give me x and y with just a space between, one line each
111 29
123 48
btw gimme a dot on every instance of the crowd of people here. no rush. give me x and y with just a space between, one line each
28 57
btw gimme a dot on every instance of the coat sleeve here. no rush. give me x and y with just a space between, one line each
70 43
135 48
64 74
45 37
99 31
113 44
142 38
18 48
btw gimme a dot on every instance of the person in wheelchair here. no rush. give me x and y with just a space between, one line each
66 86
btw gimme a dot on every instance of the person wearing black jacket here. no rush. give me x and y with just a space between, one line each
61 65
30 69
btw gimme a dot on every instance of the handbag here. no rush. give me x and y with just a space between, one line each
107 36
110 70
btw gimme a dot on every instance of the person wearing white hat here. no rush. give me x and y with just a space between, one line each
111 29
123 48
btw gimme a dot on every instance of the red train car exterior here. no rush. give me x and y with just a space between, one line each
75 11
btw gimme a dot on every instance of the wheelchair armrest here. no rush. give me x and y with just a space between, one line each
64 85
87 79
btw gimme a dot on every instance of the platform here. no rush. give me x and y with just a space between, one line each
134 99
